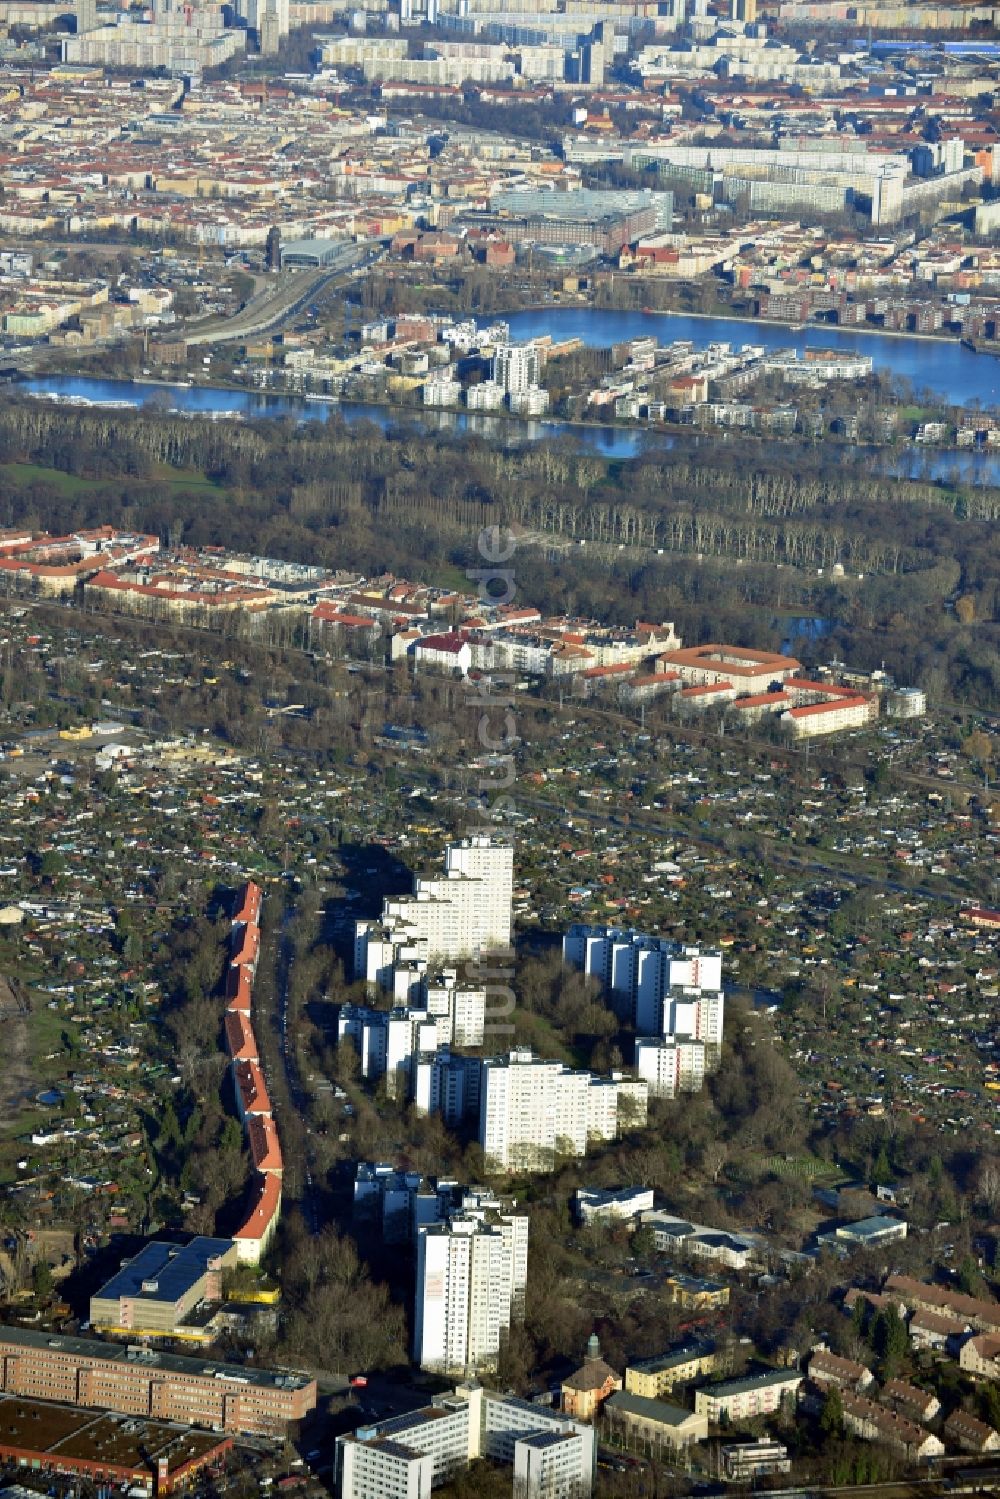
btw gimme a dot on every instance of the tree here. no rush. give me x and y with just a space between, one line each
988 1184
971 1279
890 1339
979 747
831 1417
41 1279
644 1242
882 1169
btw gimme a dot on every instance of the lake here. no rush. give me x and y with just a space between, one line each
942 366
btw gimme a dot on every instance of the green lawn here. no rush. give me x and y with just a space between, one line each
19 475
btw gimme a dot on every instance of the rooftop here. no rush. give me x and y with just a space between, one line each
650 1410
152 1359
164 1272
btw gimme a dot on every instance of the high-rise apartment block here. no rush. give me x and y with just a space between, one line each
516 367
657 986
670 1065
403 1202
533 1111
448 917
412 953
670 994
472 1261
471 1277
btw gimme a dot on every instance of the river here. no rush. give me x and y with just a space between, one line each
973 468
941 365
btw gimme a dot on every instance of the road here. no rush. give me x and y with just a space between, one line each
282 300
308 1199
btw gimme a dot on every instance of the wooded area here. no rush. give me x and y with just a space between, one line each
711 536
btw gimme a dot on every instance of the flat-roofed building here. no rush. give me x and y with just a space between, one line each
742 1399
138 1381
653 1377
408 1456
611 1205
695 1293
140 1455
153 1293
746 1461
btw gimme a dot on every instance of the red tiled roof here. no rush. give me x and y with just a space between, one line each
265 1150
251 1088
266 1205
829 706
240 1039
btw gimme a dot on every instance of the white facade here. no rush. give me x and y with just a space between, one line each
380 1467
595 1206
387 1041
447 1085
550 1462
448 917
407 1456
516 367
532 1111
814 719
471 1279
660 987
743 1399
670 1066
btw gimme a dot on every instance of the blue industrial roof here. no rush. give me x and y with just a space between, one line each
173 1268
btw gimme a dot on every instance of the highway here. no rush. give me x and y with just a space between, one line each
282 300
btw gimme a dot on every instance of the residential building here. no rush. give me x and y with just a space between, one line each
913 1403
661 987
613 1205
448 917
516 367
532 1111
980 1355
917 1295
447 1085
875 1423
970 1435
827 1368
670 1065
654 1377
471 1277
831 717
742 1399
552 1456
678 1236
934 1330
695 1294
